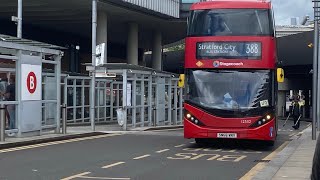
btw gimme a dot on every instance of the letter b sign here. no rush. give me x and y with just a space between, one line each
32 82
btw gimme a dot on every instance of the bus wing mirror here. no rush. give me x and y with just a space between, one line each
181 80
280 75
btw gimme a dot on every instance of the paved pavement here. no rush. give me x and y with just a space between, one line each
139 155
294 161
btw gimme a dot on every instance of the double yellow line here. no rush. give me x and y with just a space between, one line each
56 142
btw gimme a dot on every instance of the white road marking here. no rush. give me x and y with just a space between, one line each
180 145
111 165
163 150
140 157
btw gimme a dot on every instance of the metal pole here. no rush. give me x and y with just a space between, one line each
58 82
314 84
318 75
124 97
2 122
93 79
19 27
64 119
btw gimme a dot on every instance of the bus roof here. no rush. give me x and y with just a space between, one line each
232 4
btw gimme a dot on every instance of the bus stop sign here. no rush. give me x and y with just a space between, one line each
32 82
30 87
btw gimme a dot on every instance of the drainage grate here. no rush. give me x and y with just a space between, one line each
263 161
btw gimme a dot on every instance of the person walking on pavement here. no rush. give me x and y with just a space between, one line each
296 112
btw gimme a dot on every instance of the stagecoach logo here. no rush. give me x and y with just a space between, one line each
216 64
199 64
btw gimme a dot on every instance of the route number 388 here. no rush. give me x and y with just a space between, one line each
252 48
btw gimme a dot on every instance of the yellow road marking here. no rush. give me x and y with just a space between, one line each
76 176
180 145
260 166
56 142
163 150
111 165
140 157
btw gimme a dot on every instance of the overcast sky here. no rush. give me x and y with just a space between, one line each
285 9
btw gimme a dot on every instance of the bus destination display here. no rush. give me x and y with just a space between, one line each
229 50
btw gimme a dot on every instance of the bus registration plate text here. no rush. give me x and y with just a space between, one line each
226 135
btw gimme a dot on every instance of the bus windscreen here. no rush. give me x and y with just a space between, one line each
230 22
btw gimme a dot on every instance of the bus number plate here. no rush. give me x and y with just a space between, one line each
227 135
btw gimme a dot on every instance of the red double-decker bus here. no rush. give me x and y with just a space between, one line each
231 71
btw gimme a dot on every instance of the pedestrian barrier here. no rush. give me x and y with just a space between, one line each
47 100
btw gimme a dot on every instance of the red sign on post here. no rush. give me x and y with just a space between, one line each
32 82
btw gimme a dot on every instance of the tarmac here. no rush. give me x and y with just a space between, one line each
293 162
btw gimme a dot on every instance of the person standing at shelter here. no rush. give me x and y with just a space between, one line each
296 112
11 96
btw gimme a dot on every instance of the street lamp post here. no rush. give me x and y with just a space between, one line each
19 28
93 75
315 90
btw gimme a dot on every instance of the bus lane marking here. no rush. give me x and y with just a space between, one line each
208 157
141 157
112 165
258 167
76 176
222 150
179 145
210 154
163 150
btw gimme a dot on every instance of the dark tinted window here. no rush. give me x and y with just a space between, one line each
231 22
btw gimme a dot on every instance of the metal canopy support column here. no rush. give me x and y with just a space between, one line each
170 101
124 98
93 78
18 93
142 118
150 105
134 100
57 70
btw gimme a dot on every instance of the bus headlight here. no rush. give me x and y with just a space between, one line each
265 119
188 116
268 117
192 118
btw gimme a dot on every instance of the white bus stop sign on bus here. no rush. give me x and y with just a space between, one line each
31 82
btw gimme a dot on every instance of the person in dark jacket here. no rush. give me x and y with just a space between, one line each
315 174
296 112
